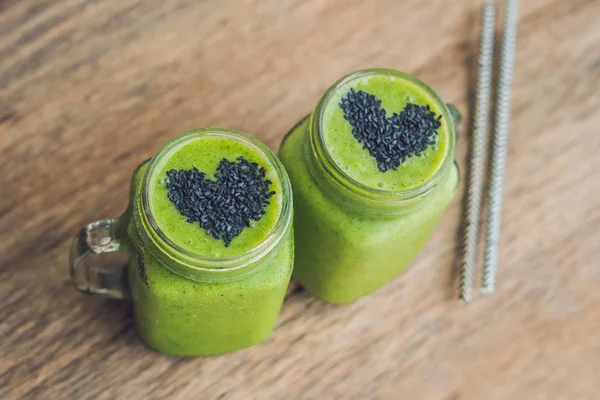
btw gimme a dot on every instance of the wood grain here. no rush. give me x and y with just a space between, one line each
88 89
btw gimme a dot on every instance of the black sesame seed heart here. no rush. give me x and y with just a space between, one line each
389 140
225 206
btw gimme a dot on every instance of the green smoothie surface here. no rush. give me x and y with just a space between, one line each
205 152
395 92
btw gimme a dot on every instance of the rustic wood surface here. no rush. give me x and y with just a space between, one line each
89 88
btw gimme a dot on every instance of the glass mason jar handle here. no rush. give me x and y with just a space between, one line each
99 237
456 118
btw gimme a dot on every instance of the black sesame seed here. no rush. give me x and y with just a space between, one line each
389 140
225 206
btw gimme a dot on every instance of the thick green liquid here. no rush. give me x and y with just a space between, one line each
205 153
180 316
341 253
350 156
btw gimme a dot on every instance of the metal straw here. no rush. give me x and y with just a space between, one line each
501 128
478 151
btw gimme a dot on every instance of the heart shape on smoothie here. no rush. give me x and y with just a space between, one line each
226 205
389 140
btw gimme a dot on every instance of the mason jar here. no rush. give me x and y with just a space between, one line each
356 228
193 294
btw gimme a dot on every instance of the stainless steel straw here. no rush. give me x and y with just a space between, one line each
478 151
501 130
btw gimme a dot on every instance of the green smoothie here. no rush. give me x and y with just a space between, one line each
208 313
349 155
205 153
344 252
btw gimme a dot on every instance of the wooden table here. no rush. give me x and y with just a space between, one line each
91 88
